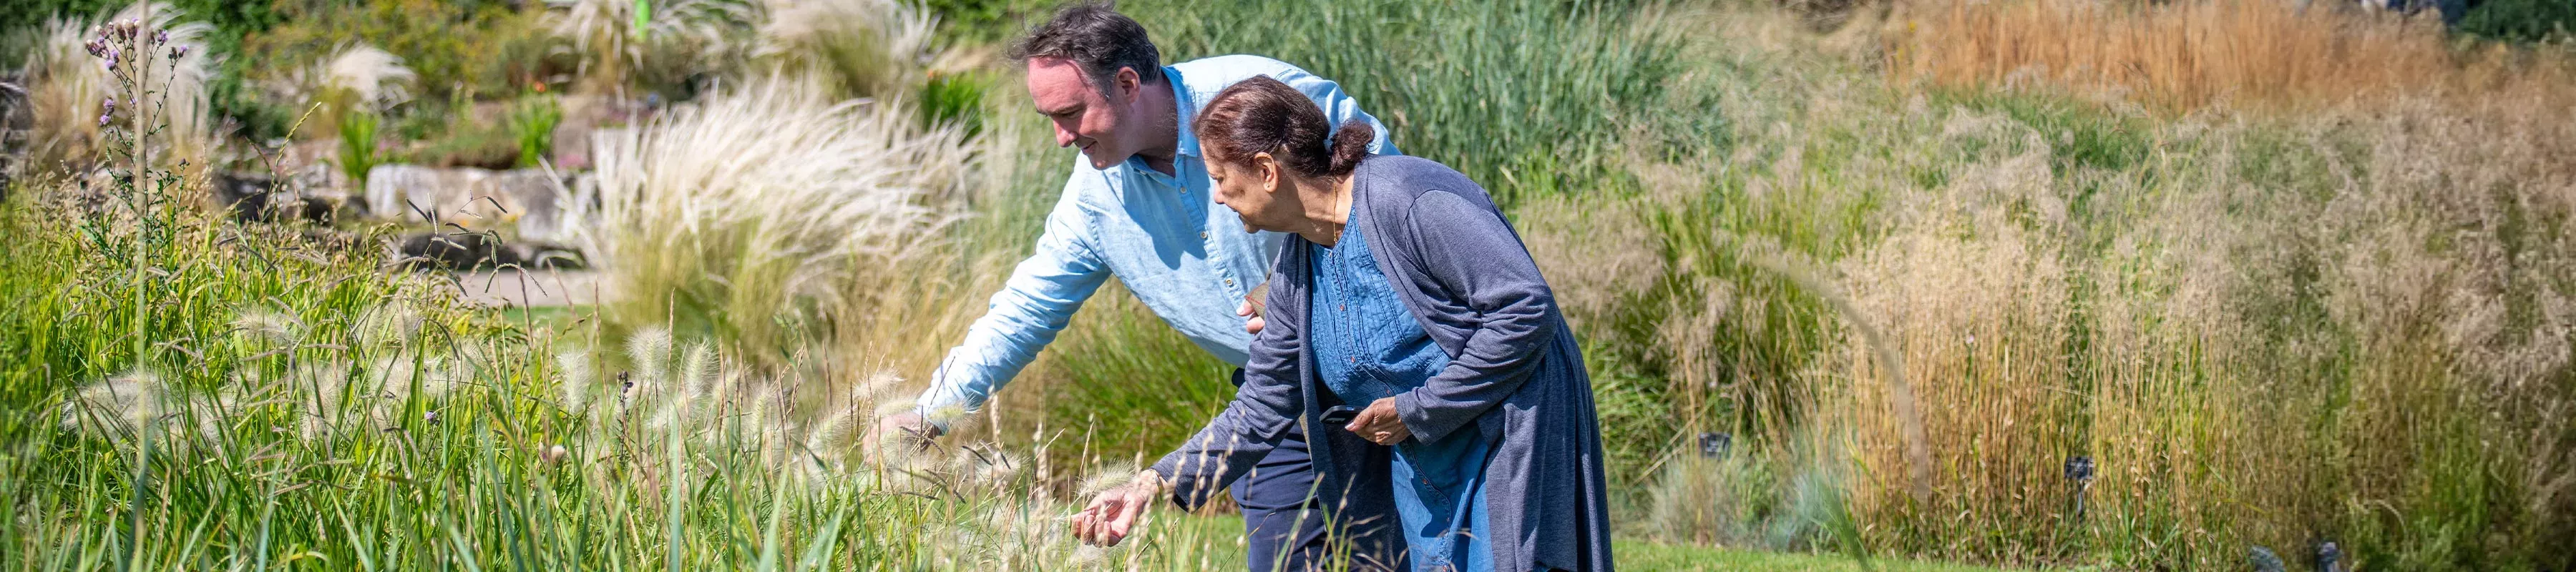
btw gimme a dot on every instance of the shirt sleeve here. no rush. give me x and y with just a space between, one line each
1033 306
1473 252
1265 407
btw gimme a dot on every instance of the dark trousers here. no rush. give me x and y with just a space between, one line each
1287 530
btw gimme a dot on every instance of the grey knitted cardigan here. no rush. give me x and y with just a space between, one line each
1515 376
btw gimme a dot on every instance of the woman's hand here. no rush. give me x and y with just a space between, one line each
1378 423
1250 309
1113 514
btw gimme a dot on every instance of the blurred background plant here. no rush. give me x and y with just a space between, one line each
532 122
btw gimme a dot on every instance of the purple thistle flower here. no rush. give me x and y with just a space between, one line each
103 120
161 36
109 105
179 52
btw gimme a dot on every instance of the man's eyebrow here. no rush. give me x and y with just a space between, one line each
1065 111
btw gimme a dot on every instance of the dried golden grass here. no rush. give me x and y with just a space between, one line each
2191 54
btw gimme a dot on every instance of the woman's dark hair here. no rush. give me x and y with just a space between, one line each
1263 115
1095 36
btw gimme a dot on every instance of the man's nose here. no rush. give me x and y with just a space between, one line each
1063 138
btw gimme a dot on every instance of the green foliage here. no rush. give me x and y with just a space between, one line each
453 46
465 142
1528 97
2521 20
986 21
359 149
532 123
953 99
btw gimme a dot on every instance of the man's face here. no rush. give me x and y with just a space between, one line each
1093 120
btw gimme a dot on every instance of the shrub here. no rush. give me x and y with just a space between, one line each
359 148
953 100
2524 21
532 123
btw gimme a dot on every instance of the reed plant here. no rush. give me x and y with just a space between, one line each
1526 96
2245 54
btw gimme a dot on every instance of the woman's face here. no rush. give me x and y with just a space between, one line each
1253 189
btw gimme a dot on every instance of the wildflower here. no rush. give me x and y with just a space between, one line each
103 120
555 454
109 104
178 52
161 36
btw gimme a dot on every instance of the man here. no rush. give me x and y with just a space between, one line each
1138 206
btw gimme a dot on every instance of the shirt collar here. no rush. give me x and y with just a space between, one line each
1186 105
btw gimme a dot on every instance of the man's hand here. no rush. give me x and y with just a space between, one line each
1379 424
1251 309
906 429
1113 514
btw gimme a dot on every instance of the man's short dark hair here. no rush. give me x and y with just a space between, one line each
1096 37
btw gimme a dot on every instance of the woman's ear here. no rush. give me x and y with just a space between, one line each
1268 167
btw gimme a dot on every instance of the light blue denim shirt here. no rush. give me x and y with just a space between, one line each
1163 235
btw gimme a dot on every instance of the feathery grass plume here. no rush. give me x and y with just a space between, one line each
120 402
387 326
124 405
67 90
833 438
751 214
578 380
268 326
370 77
700 373
1104 478
877 386
865 48
649 350
613 38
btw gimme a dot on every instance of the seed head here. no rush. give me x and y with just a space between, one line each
555 455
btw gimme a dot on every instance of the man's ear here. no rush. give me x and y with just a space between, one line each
1129 83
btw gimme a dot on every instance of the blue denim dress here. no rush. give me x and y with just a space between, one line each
1368 346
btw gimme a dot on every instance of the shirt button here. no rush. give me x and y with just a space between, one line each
1202 235
1229 281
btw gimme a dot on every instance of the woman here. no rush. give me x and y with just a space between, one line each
1406 295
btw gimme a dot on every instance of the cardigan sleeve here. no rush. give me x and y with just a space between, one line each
1267 405
1470 250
